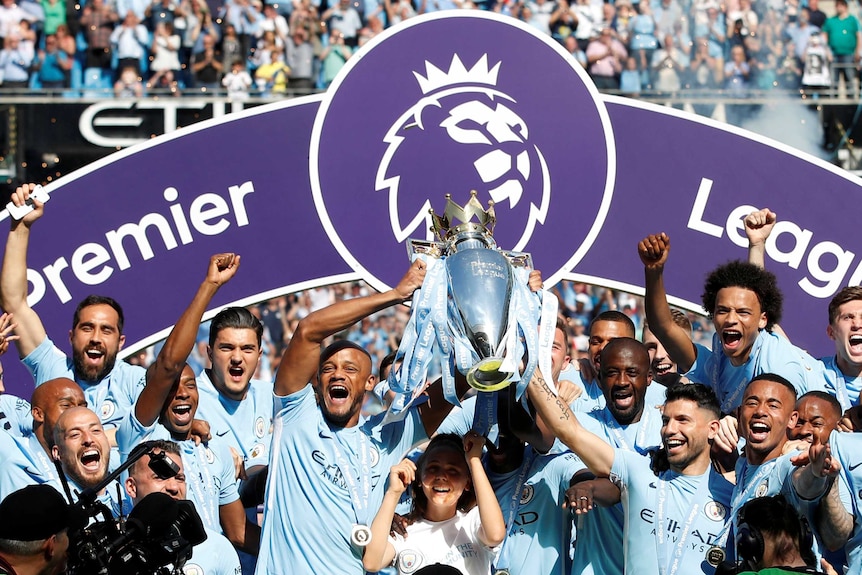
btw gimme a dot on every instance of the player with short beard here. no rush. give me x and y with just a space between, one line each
326 466
84 453
111 387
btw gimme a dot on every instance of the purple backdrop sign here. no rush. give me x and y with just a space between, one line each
327 188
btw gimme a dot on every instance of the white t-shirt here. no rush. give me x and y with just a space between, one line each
453 542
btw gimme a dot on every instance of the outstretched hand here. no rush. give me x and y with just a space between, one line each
653 250
401 476
758 226
222 268
6 328
19 198
412 280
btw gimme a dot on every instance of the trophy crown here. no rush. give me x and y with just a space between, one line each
456 218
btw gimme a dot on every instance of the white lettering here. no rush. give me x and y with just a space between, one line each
171 195
735 225
801 239
237 195
83 267
52 272
138 231
695 220
199 215
90 261
832 278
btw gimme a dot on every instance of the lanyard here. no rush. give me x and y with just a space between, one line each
745 488
617 430
840 385
502 563
201 482
744 373
360 490
671 566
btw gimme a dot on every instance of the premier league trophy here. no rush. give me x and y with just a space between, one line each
474 311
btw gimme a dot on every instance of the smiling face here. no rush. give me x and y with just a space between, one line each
738 319
765 416
181 405
342 382
82 446
624 377
846 331
816 420
686 432
660 362
601 333
444 477
96 340
235 354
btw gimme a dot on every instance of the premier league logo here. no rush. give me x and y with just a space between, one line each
484 141
452 104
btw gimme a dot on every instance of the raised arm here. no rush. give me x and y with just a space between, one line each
171 360
13 277
758 226
380 552
653 251
597 454
301 358
493 529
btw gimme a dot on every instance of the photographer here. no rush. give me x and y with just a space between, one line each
33 532
773 539
216 555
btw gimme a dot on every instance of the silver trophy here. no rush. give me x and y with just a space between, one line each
480 284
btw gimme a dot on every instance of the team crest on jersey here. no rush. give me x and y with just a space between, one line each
464 115
107 409
715 511
762 489
259 427
527 494
209 455
410 560
192 569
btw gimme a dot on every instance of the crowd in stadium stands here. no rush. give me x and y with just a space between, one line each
246 47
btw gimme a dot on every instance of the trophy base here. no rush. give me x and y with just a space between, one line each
486 375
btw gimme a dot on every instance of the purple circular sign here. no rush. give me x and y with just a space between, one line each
453 102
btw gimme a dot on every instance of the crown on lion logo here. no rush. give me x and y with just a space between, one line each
436 78
455 217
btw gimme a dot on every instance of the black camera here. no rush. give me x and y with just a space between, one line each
155 539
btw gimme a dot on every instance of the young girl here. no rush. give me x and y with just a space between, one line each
455 520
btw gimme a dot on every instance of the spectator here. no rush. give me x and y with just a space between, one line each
98 21
571 45
300 60
630 80
11 14
160 11
397 11
237 82
55 15
272 21
587 15
844 38
243 17
231 47
165 49
816 15
53 65
334 56
129 84
605 56
14 65
344 19
666 14
207 66
668 65
799 32
65 41
129 40
542 11
562 22
643 41
274 76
